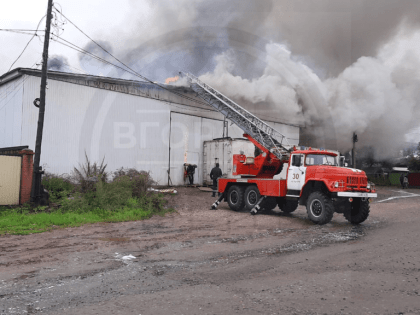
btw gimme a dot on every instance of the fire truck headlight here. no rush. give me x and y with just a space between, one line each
368 186
336 184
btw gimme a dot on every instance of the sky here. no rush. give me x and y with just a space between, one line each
95 17
357 60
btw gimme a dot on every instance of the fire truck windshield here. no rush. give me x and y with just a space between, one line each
320 159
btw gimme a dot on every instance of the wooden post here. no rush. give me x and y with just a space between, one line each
36 193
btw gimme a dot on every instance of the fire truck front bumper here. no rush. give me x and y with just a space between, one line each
357 194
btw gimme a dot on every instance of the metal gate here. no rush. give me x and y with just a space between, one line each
10 174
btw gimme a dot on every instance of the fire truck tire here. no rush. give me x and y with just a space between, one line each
359 211
251 197
320 208
235 197
287 206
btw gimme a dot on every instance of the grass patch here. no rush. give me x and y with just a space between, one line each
87 197
18 221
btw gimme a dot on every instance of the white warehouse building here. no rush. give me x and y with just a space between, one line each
132 124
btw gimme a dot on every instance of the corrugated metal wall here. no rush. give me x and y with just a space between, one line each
414 179
128 130
10 170
188 132
11 112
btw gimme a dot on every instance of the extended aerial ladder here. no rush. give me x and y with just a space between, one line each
261 132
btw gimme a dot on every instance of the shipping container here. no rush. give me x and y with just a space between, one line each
221 151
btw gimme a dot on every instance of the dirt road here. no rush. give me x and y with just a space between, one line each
198 261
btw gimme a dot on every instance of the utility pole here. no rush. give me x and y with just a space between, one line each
36 192
353 151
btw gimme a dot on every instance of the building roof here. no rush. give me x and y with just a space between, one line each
161 92
139 88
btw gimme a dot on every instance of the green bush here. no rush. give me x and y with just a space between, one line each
88 174
115 196
394 178
141 180
57 186
380 181
110 196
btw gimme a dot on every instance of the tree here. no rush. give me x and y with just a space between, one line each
414 161
414 164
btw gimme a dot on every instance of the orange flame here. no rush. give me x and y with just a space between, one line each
169 80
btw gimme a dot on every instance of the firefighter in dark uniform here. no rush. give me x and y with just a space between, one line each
215 173
190 172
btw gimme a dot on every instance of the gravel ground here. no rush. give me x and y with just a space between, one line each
199 261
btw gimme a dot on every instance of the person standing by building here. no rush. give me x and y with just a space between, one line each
215 173
190 172
405 181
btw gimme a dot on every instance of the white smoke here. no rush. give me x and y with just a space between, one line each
375 97
378 97
348 66
270 91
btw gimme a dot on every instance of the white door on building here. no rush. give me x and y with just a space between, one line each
188 133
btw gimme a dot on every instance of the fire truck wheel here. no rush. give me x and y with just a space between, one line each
320 208
287 206
359 211
235 197
252 195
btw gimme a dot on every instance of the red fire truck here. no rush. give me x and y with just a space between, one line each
314 177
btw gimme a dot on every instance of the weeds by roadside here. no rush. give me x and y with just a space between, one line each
87 197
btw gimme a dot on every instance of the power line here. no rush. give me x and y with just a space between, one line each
35 34
22 32
22 52
65 42
132 71
97 43
16 30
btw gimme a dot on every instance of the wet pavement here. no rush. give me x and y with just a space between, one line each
198 261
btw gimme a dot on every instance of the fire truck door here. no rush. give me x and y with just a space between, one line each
296 175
